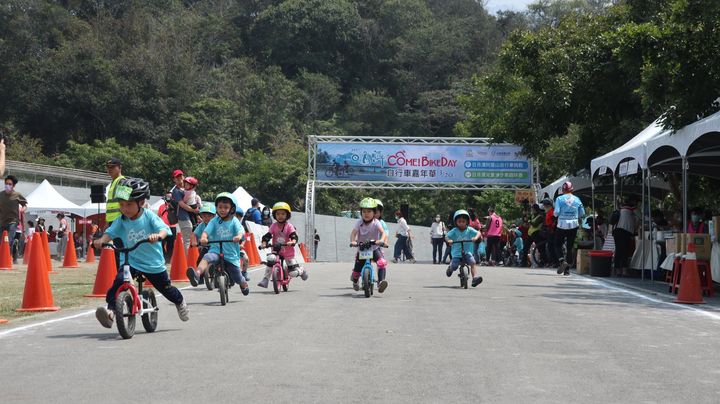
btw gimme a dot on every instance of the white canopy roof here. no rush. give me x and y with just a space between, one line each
550 190
683 138
244 198
634 148
45 198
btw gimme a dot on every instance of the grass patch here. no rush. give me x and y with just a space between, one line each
68 287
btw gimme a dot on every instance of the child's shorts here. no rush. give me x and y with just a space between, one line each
455 263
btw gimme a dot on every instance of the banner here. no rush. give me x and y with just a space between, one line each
524 194
422 163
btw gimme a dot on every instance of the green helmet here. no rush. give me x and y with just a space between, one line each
227 196
368 203
459 213
380 204
208 207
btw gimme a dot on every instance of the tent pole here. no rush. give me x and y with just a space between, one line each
684 196
592 193
642 229
652 233
614 192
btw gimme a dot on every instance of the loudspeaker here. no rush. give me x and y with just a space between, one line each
405 210
97 193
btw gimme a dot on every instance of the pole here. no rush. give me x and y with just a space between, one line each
642 231
684 196
653 244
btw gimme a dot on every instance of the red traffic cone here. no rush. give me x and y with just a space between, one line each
178 264
90 255
45 251
193 256
28 251
5 256
70 260
690 289
106 274
3 321
38 293
304 252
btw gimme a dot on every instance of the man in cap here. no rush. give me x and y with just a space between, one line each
184 224
12 204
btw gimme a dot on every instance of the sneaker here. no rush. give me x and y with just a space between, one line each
382 285
246 290
263 283
566 272
356 286
246 276
562 267
477 281
105 317
304 275
192 276
395 260
183 311
434 262
412 261
449 272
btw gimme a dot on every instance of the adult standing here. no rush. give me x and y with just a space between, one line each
112 206
254 214
437 237
168 213
550 227
62 235
623 234
183 213
403 235
316 241
568 211
12 204
537 218
494 228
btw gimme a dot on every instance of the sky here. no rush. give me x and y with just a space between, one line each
493 6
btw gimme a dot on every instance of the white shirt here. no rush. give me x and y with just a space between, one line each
403 227
437 230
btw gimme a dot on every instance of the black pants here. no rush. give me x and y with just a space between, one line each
567 237
437 244
493 248
623 238
550 253
160 281
169 243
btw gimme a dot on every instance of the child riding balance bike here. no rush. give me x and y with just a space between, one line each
282 232
137 224
366 229
456 238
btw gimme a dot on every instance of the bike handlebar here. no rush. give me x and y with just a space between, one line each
222 241
368 244
123 250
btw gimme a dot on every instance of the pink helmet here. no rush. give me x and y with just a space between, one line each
567 187
192 181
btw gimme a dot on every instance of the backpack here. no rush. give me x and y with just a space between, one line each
615 218
266 216
246 216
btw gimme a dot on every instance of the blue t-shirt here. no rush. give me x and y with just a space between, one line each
200 229
177 195
568 210
254 215
148 257
218 229
384 226
456 234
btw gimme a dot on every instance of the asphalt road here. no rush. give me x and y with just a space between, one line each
521 336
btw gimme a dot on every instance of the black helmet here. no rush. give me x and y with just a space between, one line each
138 189
546 201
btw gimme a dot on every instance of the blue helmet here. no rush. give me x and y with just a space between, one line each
460 213
239 211
227 196
208 207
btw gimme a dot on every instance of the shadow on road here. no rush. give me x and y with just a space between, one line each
103 336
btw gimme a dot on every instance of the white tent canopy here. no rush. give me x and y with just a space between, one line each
244 198
685 137
578 183
633 149
45 198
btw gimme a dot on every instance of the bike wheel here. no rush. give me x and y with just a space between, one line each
149 320
275 281
287 280
208 280
222 288
367 285
227 288
463 277
124 318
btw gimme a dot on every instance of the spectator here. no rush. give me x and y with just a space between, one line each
62 236
549 227
623 234
184 223
112 207
51 234
316 240
254 214
168 214
448 248
12 204
494 228
569 211
403 235
437 237
40 226
696 225
534 233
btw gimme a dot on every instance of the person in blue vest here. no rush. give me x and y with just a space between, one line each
568 210
253 214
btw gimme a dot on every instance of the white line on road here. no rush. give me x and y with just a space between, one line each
57 320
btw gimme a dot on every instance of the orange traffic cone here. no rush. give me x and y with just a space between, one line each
70 260
5 257
178 264
90 255
3 321
303 251
252 250
45 252
193 256
28 251
106 274
38 294
690 289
